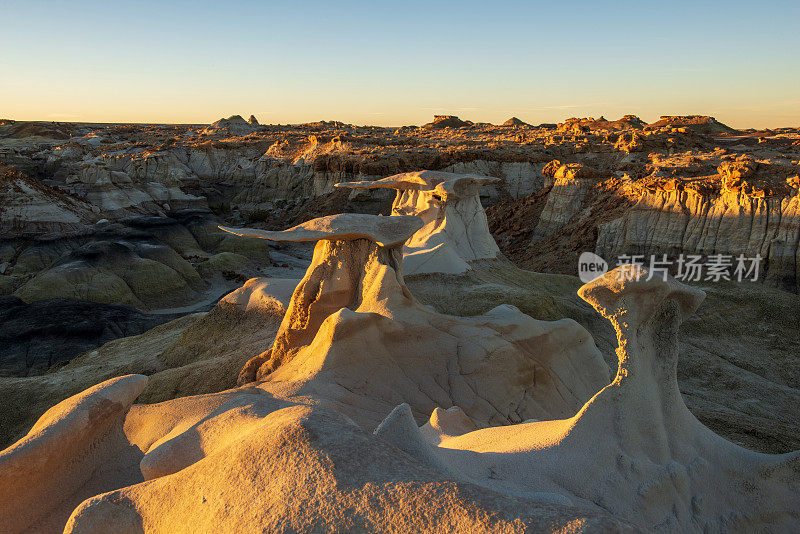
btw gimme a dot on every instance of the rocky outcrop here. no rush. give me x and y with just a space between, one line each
250 447
683 204
627 122
445 121
697 123
31 209
233 125
455 232
634 449
77 449
515 123
352 317
732 223
569 185
147 262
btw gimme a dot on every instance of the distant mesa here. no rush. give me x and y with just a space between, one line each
515 122
445 121
49 130
588 124
701 124
234 125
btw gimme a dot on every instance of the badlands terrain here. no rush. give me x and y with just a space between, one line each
322 328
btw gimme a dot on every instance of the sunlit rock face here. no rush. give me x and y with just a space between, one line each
76 450
731 223
241 170
569 185
634 449
206 460
355 335
233 125
455 231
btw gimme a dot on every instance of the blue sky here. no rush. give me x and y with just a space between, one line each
394 63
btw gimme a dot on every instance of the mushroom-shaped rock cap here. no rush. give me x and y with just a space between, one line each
385 231
424 180
631 288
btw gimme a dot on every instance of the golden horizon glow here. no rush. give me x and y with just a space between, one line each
375 64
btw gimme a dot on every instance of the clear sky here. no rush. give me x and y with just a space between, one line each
399 62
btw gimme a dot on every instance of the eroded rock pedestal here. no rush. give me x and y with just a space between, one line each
356 336
455 231
634 449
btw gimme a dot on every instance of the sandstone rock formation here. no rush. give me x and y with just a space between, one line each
77 449
352 317
455 232
685 203
33 209
515 122
632 459
627 122
445 121
699 123
195 354
682 185
233 125
634 449
120 171
250 447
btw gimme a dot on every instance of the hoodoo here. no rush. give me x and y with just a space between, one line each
352 257
634 449
354 335
455 231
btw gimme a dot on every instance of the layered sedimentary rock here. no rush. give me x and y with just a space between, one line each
569 185
455 232
683 204
262 173
36 336
33 209
200 463
77 449
352 317
64 251
634 449
732 223
632 459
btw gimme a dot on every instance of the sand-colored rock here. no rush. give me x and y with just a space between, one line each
198 353
455 231
32 209
355 335
569 183
634 449
732 223
306 468
233 125
384 231
75 450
